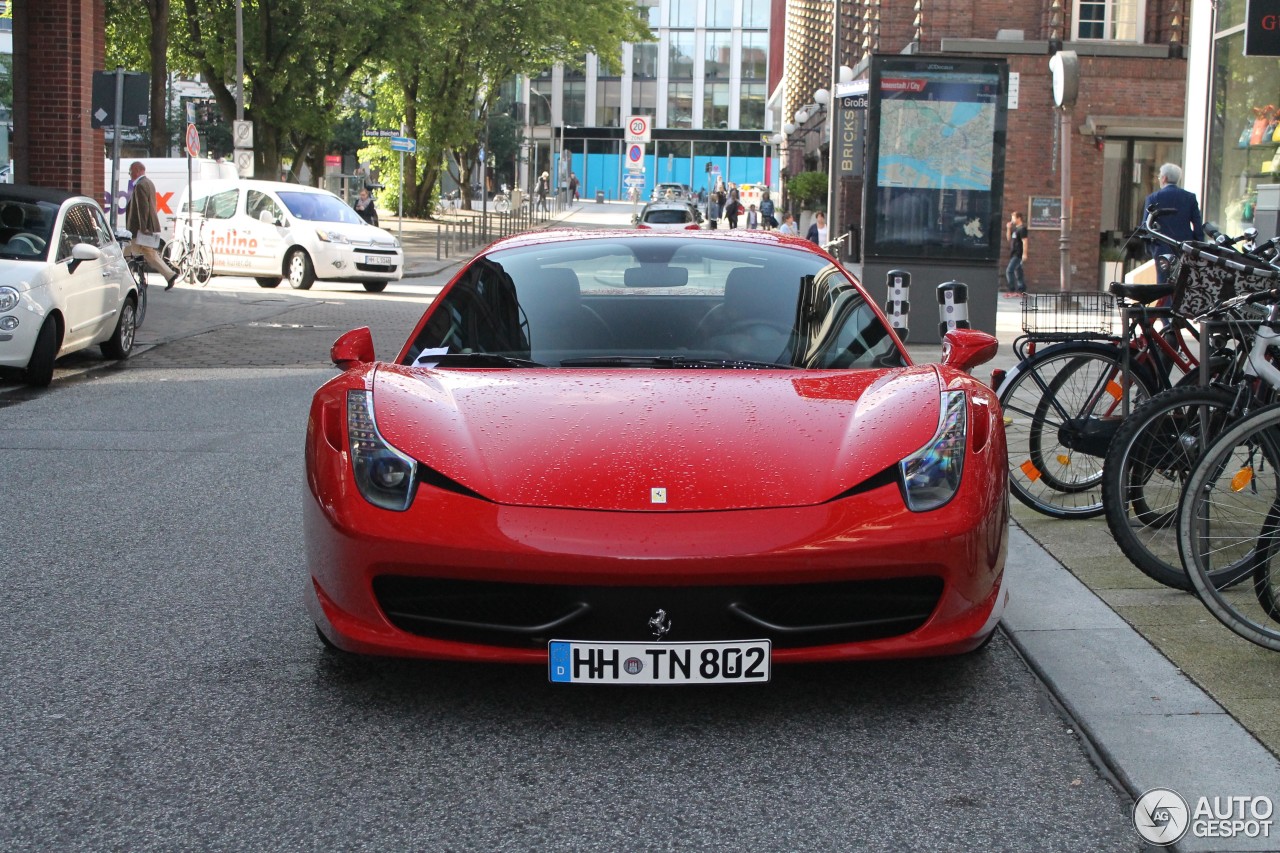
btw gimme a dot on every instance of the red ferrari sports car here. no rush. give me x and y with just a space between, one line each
655 458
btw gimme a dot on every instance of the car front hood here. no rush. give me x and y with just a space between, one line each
607 439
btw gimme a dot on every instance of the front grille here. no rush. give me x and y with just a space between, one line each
528 615
374 268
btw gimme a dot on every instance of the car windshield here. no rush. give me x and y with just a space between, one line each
648 301
319 207
26 228
668 216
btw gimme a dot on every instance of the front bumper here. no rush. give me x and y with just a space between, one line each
391 583
351 262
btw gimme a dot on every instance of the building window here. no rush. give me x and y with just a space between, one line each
575 102
719 47
680 56
755 14
576 69
1111 20
751 106
644 60
644 98
715 105
609 103
719 13
540 101
683 13
679 105
755 56
649 12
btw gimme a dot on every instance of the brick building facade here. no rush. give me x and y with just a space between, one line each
57 45
1127 121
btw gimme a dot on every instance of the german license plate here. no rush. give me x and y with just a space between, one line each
379 261
742 662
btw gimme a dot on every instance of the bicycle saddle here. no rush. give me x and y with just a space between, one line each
1141 292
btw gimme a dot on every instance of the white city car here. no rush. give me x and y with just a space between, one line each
64 282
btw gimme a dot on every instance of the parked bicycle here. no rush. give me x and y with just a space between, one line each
138 269
1065 403
1229 517
1155 448
189 254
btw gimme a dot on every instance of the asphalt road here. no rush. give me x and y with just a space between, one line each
162 688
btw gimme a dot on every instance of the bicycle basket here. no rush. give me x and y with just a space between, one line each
1068 316
1203 280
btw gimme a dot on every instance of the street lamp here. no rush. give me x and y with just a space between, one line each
529 115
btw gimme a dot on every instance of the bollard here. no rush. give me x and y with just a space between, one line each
899 305
953 306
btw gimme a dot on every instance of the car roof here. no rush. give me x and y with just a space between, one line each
740 236
663 204
254 184
23 192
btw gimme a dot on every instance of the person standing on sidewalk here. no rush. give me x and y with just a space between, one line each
1016 231
143 222
543 188
573 187
1183 223
365 208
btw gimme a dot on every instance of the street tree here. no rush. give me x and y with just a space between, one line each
138 40
299 59
449 60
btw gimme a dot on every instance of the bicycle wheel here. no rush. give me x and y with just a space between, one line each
1061 407
202 264
140 275
1230 524
173 253
1150 459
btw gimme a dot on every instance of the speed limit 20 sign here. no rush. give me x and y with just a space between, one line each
638 129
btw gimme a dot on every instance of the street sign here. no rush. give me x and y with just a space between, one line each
633 181
193 141
244 162
381 134
635 155
136 104
242 134
404 143
637 129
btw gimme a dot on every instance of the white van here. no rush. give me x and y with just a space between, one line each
272 231
169 174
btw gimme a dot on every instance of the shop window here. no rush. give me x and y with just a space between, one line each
680 56
719 50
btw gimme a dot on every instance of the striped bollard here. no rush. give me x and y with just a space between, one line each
953 306
899 305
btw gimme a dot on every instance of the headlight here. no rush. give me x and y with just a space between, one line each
931 475
384 475
8 299
332 236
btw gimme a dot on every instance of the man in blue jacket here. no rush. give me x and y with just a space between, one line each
1184 222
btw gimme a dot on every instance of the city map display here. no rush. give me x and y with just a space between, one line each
936 145
936 158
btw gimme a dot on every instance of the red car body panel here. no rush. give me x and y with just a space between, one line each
600 439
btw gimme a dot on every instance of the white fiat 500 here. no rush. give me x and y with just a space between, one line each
64 282
273 231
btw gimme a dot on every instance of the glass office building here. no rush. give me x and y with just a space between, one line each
702 85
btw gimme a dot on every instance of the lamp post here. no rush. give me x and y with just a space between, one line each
536 175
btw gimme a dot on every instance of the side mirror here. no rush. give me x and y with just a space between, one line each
353 349
82 252
965 349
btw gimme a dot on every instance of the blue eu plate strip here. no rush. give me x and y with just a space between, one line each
560 663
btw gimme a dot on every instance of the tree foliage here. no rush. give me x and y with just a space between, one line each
317 71
808 189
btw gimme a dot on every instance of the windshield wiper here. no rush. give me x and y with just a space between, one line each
678 361
474 359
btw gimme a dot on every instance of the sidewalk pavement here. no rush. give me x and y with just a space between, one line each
1164 695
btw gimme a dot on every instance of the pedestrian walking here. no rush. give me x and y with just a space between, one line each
753 218
143 221
365 207
733 206
715 206
788 226
767 219
818 229
573 186
1018 243
544 186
